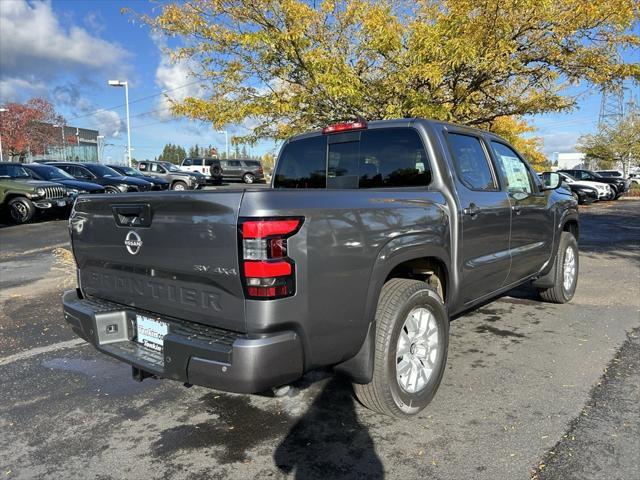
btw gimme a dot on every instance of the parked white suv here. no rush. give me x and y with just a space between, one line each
209 167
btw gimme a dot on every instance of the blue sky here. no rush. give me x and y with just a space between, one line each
67 50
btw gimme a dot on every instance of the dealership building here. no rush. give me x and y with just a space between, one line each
72 144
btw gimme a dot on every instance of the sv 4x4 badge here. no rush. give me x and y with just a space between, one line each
133 242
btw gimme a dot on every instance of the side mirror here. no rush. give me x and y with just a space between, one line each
551 181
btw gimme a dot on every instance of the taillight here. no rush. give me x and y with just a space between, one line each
267 271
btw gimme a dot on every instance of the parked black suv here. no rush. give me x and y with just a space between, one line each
55 174
620 185
156 182
249 171
105 176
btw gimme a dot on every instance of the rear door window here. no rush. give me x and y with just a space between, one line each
196 162
187 162
378 158
471 162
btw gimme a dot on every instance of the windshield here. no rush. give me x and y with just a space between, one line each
13 171
101 170
171 167
132 172
47 172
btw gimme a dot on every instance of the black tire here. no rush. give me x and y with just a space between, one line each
111 190
248 178
559 293
614 193
216 171
21 210
179 185
384 394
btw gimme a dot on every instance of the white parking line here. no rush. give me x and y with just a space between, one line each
76 342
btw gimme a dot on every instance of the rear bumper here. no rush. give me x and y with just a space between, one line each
193 353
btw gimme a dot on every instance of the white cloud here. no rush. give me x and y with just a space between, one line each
108 123
13 88
34 45
176 77
94 22
561 142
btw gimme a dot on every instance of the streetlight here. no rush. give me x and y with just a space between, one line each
226 141
64 147
2 110
120 83
100 145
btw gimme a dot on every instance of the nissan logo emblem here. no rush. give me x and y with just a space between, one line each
133 242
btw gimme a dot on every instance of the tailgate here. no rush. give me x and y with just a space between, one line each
171 253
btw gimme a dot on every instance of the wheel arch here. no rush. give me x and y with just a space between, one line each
430 265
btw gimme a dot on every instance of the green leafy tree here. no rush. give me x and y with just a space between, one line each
172 153
292 65
614 144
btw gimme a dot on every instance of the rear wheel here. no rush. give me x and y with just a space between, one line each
178 185
248 178
566 271
412 337
21 210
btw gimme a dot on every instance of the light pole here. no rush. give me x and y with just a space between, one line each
2 110
100 145
64 148
226 141
119 83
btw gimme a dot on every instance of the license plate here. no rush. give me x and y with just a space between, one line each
151 332
62 203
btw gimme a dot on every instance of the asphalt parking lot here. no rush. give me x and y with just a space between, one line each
532 390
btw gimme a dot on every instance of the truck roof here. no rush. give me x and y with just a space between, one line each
404 122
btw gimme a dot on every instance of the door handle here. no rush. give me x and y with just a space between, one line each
516 209
472 210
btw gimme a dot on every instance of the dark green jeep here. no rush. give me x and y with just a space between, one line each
22 196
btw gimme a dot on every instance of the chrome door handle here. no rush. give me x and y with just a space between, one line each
472 210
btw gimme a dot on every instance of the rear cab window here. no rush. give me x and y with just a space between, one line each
376 158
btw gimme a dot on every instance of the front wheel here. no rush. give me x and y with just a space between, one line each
21 210
248 178
566 271
412 337
179 186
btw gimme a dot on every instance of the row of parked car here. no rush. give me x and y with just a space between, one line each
26 189
588 186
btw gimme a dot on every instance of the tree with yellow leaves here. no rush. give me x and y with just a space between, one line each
290 65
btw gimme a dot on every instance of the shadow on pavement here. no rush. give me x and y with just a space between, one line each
329 441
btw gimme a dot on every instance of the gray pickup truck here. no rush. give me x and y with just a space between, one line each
371 237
